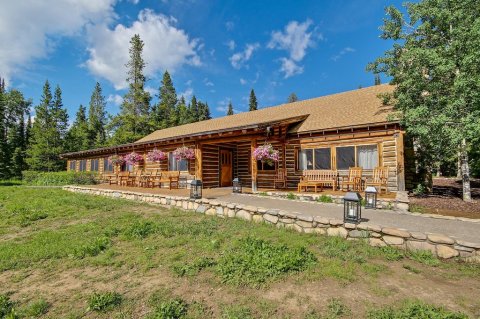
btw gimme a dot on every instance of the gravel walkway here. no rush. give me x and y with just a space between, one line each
463 230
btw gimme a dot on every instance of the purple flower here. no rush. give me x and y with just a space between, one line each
133 158
116 160
184 153
156 155
266 153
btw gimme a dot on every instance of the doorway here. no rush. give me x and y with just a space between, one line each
226 168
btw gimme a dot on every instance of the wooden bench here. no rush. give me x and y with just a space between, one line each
315 178
280 179
172 178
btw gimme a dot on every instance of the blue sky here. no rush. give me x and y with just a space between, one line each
217 50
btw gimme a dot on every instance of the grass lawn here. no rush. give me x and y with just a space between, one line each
65 255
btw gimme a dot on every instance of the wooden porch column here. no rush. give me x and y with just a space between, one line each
400 161
253 162
198 161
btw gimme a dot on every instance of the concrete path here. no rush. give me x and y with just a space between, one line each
463 230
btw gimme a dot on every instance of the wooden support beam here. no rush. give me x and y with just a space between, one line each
253 162
400 161
198 161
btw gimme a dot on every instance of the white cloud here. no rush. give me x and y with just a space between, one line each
153 91
30 29
229 25
207 82
231 45
243 81
342 53
165 47
290 68
296 38
115 99
187 94
239 59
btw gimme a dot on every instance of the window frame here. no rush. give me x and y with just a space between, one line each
73 165
107 165
171 160
312 149
82 166
94 165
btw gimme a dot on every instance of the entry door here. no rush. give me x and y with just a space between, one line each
226 168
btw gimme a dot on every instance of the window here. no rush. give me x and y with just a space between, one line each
73 165
318 158
107 166
175 165
367 156
83 165
265 166
126 167
94 165
345 157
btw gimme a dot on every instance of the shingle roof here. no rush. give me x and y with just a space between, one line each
346 109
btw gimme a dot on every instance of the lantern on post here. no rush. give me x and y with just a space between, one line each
371 197
352 207
196 189
237 185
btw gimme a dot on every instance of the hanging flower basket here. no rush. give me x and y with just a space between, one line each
184 153
133 158
266 154
156 155
116 160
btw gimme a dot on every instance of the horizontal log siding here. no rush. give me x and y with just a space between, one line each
265 178
210 170
243 163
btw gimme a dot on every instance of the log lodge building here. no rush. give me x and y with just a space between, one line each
332 132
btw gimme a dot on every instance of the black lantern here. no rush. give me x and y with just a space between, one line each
196 189
237 186
371 197
352 207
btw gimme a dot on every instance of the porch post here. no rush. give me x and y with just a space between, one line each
253 162
400 161
198 161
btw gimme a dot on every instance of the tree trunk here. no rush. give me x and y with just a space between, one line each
428 179
467 195
459 165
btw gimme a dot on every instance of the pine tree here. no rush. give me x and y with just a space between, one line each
204 111
133 121
378 81
4 156
182 112
230 108
97 118
79 133
59 129
193 110
253 104
292 98
164 113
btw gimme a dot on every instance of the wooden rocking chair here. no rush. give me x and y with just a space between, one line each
280 178
354 179
379 179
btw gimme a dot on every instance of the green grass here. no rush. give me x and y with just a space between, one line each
291 196
325 199
414 310
204 266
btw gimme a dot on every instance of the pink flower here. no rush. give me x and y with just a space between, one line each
156 155
133 158
184 153
116 160
266 153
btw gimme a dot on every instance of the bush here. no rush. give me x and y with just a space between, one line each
420 190
172 309
27 216
141 230
59 178
104 301
193 268
325 199
291 196
414 310
36 309
6 306
255 261
94 248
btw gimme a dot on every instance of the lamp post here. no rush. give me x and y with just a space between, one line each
237 185
352 207
371 197
196 189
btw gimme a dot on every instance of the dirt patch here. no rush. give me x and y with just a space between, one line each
446 199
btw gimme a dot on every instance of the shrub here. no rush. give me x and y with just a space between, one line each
6 306
414 310
391 253
193 268
36 309
103 301
27 216
291 196
337 247
255 261
172 309
94 248
336 308
425 257
59 178
141 229
420 190
325 199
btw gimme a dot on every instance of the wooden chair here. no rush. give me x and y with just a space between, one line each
354 179
315 178
136 178
111 179
172 178
144 179
379 179
280 178
123 178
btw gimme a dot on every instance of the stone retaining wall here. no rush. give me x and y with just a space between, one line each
440 245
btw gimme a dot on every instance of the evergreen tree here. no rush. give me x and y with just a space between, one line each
183 116
252 104
378 81
193 110
204 111
230 108
164 113
59 129
292 98
4 156
79 134
133 121
97 118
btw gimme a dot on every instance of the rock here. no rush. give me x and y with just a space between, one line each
305 218
262 210
287 220
391 240
375 234
291 215
350 226
271 219
402 207
446 252
358 233
303 223
463 248
413 245
468 244
185 204
252 209
273 212
257 218
231 206
211 211
231 212
214 203
297 228
321 231
396 232
201 209
243 214
372 227
308 230
418 235
440 239
322 220
336 222
376 242
195 206
473 259
219 211
337 231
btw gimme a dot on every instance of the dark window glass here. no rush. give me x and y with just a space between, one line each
94 165
345 157
174 165
73 165
305 159
107 166
322 158
83 165
265 166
